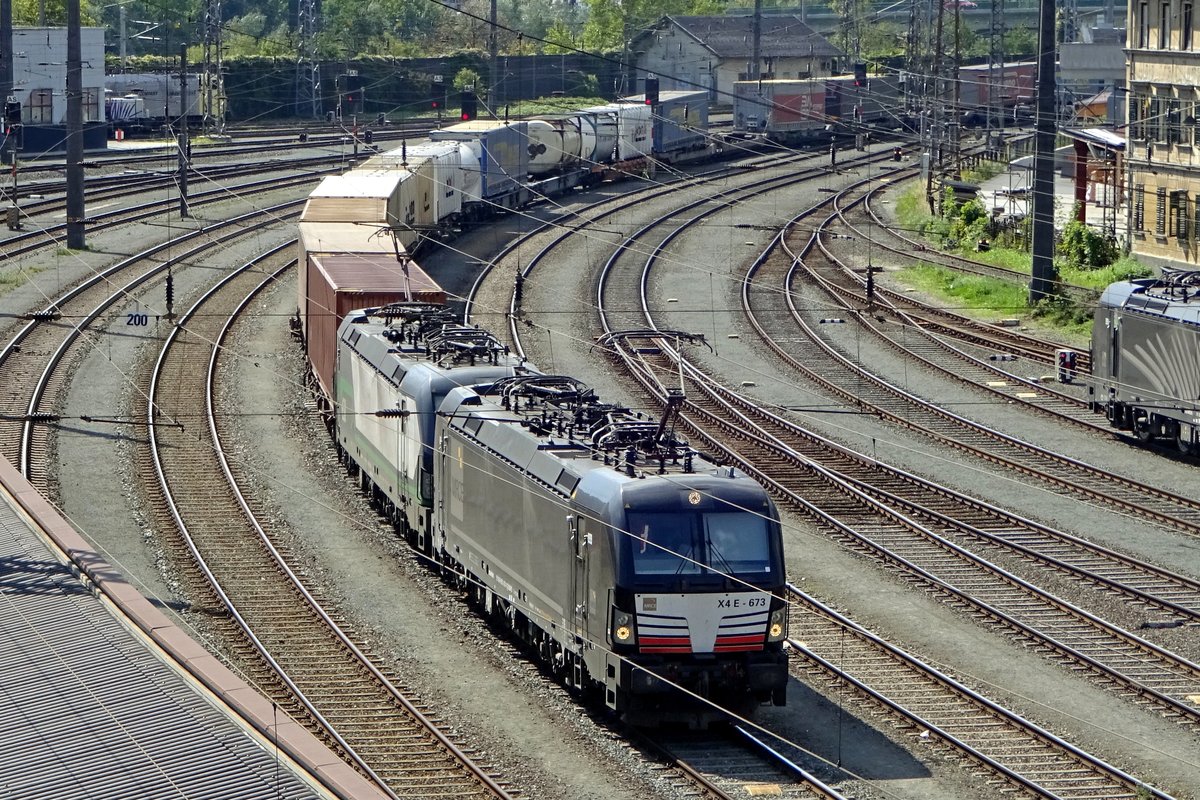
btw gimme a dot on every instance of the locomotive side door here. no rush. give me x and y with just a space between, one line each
581 541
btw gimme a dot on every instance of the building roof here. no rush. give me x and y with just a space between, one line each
1102 138
784 36
104 696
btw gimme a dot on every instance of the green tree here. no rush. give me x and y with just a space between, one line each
611 22
561 38
1083 248
465 79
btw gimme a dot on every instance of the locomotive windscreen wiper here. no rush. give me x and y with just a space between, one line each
715 552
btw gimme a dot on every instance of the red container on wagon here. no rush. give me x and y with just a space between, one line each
342 282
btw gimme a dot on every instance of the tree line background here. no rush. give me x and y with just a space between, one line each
548 46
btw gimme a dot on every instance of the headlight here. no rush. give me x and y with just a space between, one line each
777 627
623 628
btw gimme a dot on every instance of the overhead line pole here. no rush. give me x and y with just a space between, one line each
1042 282
494 54
184 143
75 207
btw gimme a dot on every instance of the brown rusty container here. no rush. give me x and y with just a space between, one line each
342 282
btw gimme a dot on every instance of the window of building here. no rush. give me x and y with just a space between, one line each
1157 127
1137 115
91 105
1143 24
1139 207
1160 215
1185 26
1174 122
41 106
1164 27
1179 215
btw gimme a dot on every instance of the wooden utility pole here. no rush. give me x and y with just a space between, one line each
75 209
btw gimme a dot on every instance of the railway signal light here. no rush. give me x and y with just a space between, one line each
12 111
651 91
470 106
16 136
860 75
437 95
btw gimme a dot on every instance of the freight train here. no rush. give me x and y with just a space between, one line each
795 111
625 560
474 169
396 200
1146 358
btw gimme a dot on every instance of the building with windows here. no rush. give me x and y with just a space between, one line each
713 52
1163 152
40 86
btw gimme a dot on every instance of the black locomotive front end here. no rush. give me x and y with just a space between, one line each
697 602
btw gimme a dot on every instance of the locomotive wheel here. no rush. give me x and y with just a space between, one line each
1185 445
1142 430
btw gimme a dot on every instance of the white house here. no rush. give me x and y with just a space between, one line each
712 52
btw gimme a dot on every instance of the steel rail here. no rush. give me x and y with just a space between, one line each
298 585
124 292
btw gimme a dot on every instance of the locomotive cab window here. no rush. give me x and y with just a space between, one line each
714 544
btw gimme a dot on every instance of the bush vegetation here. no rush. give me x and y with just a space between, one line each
1085 263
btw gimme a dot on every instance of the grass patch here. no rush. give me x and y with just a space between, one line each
17 278
1123 269
985 170
1005 257
995 298
551 105
989 298
912 209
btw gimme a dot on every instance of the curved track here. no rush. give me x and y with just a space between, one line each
639 351
303 656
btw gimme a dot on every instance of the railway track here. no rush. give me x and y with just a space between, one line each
935 335
769 300
1104 781
304 657
737 761
35 357
51 234
880 512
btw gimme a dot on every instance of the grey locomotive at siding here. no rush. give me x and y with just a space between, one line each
619 555
1146 357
